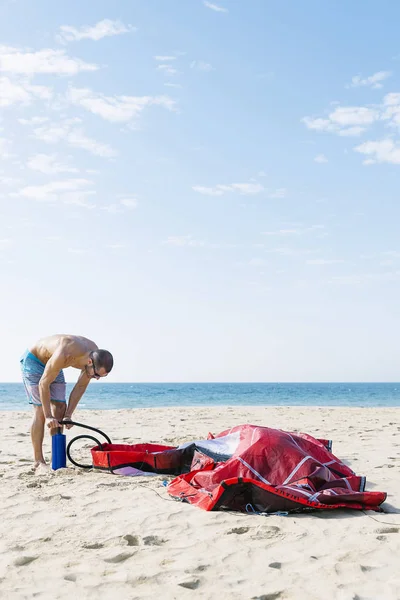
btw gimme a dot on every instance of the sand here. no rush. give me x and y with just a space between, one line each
83 534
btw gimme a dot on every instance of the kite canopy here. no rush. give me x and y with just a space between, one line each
247 468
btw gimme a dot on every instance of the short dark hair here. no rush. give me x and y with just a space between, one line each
102 359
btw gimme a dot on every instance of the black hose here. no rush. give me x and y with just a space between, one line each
79 437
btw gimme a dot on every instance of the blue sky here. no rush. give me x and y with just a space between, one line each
207 189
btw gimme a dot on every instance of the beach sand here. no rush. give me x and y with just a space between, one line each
83 534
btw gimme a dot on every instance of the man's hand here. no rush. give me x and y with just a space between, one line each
68 418
52 423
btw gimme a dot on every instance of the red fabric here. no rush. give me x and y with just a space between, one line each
264 470
273 470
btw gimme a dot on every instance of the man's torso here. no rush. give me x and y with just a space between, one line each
75 349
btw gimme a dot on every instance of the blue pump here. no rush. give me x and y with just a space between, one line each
58 451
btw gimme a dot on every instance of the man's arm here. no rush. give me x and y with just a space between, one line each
77 393
52 369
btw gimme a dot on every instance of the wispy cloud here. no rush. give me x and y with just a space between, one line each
321 158
121 205
168 70
47 164
324 261
183 240
294 231
344 120
364 278
8 181
117 109
34 121
68 130
4 148
55 190
382 151
47 61
374 81
129 202
278 193
220 190
215 7
102 29
200 65
164 58
21 92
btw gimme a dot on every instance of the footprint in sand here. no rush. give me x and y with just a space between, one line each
201 568
119 557
272 531
153 540
131 540
366 568
34 484
238 530
190 584
272 596
94 546
275 565
70 577
21 561
388 530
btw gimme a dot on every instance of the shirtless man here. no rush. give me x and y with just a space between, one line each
45 386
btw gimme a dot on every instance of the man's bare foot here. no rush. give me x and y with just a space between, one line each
41 468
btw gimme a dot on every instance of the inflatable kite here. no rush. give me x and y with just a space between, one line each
247 468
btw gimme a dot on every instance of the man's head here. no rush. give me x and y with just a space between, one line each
100 363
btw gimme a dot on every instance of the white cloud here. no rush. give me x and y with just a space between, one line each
358 279
175 85
383 151
129 202
167 69
78 139
183 240
278 193
257 262
46 61
118 207
55 190
324 261
21 92
219 190
344 120
201 66
163 58
320 158
68 131
79 198
102 29
215 7
34 121
374 81
47 163
8 181
117 246
294 230
117 109
4 149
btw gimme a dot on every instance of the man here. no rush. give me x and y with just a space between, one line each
45 386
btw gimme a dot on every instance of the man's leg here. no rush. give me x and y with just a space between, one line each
58 410
37 434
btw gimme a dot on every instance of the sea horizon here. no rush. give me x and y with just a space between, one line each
113 395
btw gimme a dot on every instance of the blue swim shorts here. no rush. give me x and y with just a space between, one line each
32 370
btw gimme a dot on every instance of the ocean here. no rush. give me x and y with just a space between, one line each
143 395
